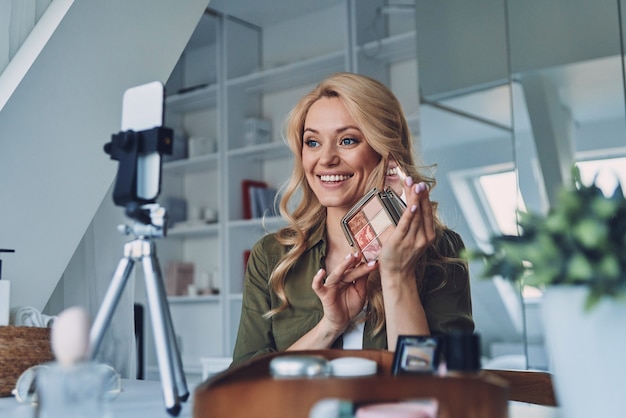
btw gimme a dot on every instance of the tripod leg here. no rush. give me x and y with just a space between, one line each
177 364
109 303
155 291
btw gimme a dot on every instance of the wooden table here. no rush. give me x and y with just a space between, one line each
249 390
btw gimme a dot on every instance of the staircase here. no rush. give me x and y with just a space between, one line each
60 100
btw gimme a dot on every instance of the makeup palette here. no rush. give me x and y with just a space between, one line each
368 224
371 221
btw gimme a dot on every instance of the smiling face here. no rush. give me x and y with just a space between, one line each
336 158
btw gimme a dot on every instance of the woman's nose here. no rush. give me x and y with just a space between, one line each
329 156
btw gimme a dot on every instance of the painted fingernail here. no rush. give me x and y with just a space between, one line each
420 187
371 263
409 181
348 256
413 208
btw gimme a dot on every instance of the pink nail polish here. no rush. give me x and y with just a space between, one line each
420 187
413 208
409 181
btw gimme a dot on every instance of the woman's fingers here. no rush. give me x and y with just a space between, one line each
318 279
417 223
348 270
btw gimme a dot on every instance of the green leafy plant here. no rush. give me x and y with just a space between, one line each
581 241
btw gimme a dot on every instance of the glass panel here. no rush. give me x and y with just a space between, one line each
605 172
568 103
465 128
503 198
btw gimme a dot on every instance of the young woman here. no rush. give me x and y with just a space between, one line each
305 287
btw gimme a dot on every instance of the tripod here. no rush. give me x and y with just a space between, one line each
143 249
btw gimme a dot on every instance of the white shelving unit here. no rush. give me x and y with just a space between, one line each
229 62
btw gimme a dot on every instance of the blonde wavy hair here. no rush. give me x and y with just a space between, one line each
379 115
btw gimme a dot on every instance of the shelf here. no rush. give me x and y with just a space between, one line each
193 299
270 224
200 98
195 230
393 49
191 165
291 75
262 152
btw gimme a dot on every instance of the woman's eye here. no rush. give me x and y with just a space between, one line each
311 143
348 141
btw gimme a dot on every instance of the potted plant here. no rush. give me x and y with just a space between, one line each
577 254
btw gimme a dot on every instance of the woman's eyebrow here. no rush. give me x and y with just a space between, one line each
338 130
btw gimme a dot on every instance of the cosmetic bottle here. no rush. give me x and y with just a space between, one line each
462 353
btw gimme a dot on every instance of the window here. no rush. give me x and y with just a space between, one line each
503 198
501 195
608 172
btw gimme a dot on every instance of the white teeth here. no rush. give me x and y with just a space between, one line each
333 178
392 171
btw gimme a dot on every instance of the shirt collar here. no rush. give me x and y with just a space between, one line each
318 235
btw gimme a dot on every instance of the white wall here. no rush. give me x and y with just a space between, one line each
53 171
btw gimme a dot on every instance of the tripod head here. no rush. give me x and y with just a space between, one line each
138 148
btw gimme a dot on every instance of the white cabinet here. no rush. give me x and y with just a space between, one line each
232 71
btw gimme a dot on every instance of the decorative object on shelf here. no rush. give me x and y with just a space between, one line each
257 131
199 145
195 213
208 282
176 210
179 276
210 215
578 253
179 148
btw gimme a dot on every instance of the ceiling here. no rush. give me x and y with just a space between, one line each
265 13
588 88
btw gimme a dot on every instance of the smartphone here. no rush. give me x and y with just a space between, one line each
143 109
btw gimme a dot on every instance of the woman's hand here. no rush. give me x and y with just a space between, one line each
414 233
342 292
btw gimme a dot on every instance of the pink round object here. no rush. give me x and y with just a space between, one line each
398 410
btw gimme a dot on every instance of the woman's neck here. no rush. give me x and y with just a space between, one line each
337 241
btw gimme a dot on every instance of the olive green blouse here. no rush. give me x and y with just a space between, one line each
447 308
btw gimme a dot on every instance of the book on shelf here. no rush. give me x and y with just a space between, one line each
259 199
246 186
180 275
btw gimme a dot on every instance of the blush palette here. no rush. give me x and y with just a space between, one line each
369 222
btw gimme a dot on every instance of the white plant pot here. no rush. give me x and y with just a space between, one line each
587 353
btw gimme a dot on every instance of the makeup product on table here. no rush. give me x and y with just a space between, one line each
375 216
299 366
